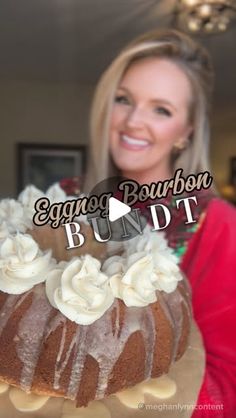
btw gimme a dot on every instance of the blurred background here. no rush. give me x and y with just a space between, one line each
53 52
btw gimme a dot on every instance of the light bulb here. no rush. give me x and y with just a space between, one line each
194 25
209 26
190 2
222 26
205 10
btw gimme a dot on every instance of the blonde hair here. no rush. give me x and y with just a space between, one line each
194 61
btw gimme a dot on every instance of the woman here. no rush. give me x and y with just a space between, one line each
196 66
149 118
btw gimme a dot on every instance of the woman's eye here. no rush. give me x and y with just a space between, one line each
121 99
162 111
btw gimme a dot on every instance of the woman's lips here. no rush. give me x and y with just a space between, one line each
132 143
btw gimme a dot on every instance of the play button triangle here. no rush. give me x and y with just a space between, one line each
117 209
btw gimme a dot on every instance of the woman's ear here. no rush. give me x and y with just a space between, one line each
183 143
180 145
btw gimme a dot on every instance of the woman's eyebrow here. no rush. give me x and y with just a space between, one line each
163 101
123 88
154 100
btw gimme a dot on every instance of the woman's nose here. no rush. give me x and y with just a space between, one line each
135 118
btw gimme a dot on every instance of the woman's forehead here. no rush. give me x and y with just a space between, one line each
157 78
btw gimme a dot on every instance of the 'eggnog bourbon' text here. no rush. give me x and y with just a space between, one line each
132 192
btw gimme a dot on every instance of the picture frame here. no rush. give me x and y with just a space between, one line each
44 164
233 171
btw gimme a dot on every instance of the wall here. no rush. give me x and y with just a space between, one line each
58 113
223 142
37 112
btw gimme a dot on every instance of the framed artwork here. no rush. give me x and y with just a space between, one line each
42 165
233 171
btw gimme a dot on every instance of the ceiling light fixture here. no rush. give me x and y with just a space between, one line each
205 16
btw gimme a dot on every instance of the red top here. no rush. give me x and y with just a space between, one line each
210 265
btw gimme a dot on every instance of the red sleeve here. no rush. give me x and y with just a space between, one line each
210 265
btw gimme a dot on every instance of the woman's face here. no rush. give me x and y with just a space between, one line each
150 117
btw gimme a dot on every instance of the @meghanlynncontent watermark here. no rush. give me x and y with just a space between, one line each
180 407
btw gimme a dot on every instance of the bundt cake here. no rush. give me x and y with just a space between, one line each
83 328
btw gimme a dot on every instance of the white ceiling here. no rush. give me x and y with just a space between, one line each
74 40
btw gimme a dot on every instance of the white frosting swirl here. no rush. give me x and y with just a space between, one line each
114 265
22 264
56 194
81 292
4 232
29 196
135 285
149 241
143 269
14 215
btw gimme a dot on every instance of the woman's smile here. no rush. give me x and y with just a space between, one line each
133 143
